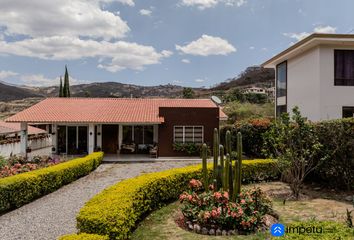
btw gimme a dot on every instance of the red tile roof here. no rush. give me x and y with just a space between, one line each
104 110
7 128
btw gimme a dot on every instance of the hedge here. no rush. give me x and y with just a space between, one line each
84 236
18 190
116 211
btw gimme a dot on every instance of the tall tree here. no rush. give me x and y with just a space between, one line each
66 89
61 92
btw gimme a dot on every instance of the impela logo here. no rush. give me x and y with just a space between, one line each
277 230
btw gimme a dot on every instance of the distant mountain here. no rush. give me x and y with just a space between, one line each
252 76
12 92
107 89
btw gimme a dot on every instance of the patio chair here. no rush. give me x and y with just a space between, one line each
153 152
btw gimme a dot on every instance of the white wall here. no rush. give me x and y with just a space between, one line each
41 146
303 84
333 98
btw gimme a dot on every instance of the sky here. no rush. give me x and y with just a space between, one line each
196 43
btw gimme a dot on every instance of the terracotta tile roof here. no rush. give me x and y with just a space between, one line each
104 110
7 128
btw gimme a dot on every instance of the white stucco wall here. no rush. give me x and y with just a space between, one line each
333 98
303 89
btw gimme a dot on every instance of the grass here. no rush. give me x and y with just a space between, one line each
160 224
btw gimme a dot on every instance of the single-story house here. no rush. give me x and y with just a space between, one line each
120 125
317 75
39 140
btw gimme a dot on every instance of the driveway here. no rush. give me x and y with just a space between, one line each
55 214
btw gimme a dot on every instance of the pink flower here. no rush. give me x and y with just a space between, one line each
226 195
217 195
207 215
243 201
195 184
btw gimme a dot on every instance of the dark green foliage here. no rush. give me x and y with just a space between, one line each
252 132
337 167
188 93
295 144
61 92
66 88
191 149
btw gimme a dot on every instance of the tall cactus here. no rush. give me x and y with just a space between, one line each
239 163
205 167
228 142
226 173
216 150
222 163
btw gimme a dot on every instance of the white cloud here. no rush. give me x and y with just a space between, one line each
318 29
42 18
7 74
177 81
126 2
325 29
207 45
145 12
39 80
203 4
114 56
185 60
252 48
199 80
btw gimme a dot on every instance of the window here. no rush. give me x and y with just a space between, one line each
281 79
280 110
348 112
344 67
188 134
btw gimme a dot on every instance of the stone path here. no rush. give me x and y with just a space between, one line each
55 214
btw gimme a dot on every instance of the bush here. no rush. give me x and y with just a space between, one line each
337 168
252 135
214 210
84 236
21 189
116 210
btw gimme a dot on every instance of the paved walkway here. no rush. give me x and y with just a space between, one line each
55 214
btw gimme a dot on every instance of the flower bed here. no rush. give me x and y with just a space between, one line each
16 164
84 236
115 211
213 212
21 189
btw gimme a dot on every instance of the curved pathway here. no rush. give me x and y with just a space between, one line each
55 214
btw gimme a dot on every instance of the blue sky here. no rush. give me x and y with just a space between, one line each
152 42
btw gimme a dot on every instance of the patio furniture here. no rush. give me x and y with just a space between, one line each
127 148
153 152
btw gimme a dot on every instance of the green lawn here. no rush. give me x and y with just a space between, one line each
160 224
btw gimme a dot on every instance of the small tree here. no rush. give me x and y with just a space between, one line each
188 93
295 144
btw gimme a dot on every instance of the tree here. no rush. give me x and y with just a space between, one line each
66 89
294 142
188 93
61 93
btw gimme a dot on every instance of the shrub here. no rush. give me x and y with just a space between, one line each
21 189
296 147
116 210
252 135
337 138
83 236
215 209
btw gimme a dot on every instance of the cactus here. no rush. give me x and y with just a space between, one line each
205 167
228 142
216 150
238 163
226 173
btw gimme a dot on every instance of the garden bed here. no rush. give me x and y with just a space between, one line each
324 211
